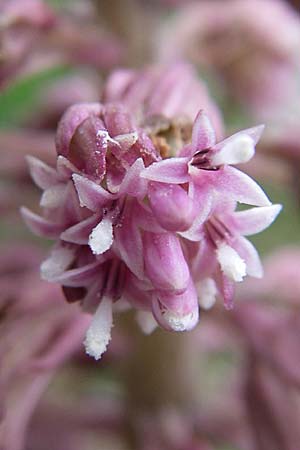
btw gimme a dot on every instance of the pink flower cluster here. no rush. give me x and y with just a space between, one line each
140 222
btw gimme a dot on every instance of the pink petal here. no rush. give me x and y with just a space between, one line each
71 119
43 175
133 184
248 252
171 205
79 233
40 226
238 185
171 170
90 194
203 135
254 220
176 312
88 146
82 276
65 168
128 241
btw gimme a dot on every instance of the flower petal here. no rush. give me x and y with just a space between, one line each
248 252
60 259
133 184
165 263
240 186
171 170
82 276
203 135
39 225
43 175
254 220
79 233
128 240
90 194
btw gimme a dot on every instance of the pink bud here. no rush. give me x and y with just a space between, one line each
165 264
171 206
71 119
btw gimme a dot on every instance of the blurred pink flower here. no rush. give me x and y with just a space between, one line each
258 66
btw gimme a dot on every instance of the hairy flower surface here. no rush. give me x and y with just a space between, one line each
140 222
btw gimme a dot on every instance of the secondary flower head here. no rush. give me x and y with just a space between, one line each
142 222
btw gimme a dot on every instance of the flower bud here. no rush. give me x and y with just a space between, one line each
171 206
165 264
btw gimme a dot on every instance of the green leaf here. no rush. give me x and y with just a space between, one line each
21 97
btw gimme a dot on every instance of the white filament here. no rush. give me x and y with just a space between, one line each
177 322
101 237
232 265
207 291
99 332
238 150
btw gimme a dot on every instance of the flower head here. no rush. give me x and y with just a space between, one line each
139 223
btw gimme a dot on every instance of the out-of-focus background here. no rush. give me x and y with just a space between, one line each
246 363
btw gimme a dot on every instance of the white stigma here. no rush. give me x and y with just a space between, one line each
177 322
232 265
207 291
238 150
105 137
146 321
99 332
101 237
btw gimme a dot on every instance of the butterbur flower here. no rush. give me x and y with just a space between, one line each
144 225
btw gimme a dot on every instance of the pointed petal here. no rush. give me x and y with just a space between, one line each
53 196
101 237
248 252
79 233
60 259
171 170
65 168
133 184
240 187
204 203
43 175
82 276
90 194
203 135
254 220
99 332
129 241
39 225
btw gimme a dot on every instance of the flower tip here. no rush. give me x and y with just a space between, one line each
98 334
180 323
95 346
